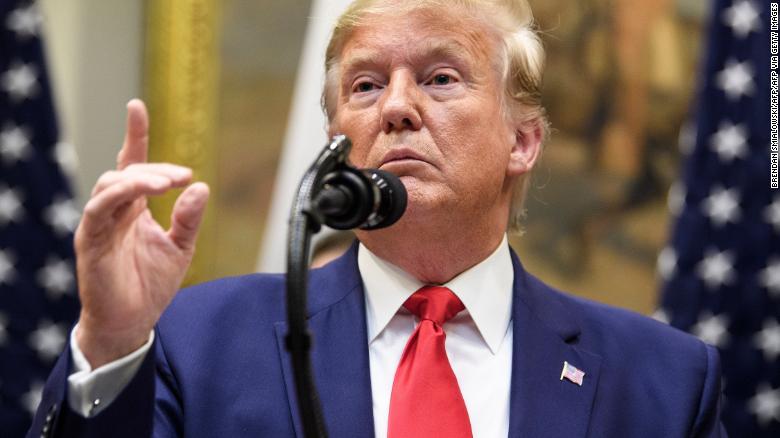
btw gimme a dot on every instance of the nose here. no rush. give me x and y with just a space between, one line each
400 107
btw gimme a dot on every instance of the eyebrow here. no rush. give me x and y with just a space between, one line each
434 48
363 58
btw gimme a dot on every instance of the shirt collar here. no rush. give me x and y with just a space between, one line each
485 290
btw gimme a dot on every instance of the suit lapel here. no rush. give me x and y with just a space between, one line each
545 335
340 350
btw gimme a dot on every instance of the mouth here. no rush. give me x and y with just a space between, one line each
400 155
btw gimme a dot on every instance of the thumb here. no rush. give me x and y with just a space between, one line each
187 215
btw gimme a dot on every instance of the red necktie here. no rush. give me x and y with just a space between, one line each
426 401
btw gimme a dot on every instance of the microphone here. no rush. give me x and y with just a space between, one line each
336 194
360 198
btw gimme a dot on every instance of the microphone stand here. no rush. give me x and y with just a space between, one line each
306 220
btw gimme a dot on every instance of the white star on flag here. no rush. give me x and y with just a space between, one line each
65 155
10 206
741 17
667 262
772 214
32 398
661 315
722 206
768 340
765 405
3 331
736 79
20 81
770 277
730 141
56 277
48 340
62 215
717 268
14 144
7 272
25 22
712 329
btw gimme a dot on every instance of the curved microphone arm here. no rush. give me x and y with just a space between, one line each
305 220
336 194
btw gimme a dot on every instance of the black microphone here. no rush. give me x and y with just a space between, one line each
360 198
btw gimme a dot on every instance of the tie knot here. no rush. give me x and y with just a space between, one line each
435 303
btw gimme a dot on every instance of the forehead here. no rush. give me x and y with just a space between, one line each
391 37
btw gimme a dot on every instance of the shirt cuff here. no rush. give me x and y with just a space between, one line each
90 391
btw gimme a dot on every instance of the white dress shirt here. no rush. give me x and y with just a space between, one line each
479 343
479 339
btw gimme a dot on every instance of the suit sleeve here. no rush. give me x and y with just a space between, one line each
147 407
708 422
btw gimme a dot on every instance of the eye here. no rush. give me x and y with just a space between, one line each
442 79
364 87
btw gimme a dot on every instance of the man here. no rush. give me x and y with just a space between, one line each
446 96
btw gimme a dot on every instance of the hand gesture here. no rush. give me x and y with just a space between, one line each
129 267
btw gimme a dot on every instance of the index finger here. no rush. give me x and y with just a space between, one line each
136 144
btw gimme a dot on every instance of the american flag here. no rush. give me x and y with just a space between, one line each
721 270
572 373
38 300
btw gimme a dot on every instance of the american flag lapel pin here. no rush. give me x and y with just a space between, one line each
572 373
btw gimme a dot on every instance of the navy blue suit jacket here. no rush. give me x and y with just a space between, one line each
219 368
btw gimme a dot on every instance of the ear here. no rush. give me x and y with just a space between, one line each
526 148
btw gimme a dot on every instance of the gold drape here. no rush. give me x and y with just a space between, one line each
180 87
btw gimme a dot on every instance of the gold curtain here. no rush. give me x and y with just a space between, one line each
181 61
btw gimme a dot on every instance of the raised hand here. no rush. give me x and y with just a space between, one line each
129 267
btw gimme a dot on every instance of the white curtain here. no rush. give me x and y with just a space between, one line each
305 134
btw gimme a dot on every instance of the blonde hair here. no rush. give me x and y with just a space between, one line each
521 62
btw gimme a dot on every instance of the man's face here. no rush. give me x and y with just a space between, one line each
419 96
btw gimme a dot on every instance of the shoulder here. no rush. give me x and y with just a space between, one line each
258 297
235 323
632 336
647 365
609 329
640 356
253 294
